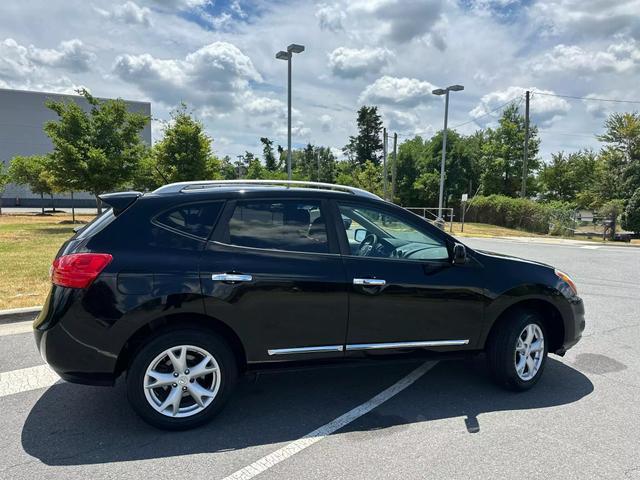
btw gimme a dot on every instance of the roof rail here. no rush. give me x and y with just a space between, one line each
181 187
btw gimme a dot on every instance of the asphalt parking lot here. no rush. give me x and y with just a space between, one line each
434 420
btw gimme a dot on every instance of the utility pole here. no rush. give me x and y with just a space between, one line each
526 145
240 157
394 169
384 163
318 158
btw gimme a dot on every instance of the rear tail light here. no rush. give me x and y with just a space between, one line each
78 270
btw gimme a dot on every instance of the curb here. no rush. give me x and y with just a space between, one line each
19 314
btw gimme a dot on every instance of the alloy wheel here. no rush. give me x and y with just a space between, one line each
182 381
529 351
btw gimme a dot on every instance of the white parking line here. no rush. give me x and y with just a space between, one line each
297 446
26 379
16 328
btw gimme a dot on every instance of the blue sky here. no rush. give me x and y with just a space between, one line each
218 57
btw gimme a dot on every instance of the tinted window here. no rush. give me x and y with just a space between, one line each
292 225
96 225
378 233
196 219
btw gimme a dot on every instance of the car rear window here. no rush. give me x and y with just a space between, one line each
96 225
195 220
292 225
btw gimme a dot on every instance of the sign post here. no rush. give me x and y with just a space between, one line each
465 197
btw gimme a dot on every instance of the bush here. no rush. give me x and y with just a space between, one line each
521 214
631 215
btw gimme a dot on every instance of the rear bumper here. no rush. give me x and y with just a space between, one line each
74 344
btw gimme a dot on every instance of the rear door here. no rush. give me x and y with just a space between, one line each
273 273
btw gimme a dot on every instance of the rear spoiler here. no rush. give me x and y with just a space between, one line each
119 201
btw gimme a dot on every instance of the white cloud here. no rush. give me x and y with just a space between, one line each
129 13
217 75
352 62
544 109
330 17
399 21
586 18
326 122
71 55
26 67
408 92
618 57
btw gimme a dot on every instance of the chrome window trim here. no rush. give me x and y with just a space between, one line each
389 345
315 349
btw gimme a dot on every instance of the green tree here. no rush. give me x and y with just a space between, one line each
502 155
33 172
184 153
328 165
4 180
96 151
254 168
413 156
621 154
367 145
631 215
270 161
569 177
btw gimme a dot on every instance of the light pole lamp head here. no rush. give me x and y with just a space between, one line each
282 55
439 91
455 88
295 48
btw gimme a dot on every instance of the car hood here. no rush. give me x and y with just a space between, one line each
502 256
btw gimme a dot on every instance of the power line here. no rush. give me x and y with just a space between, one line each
615 100
499 107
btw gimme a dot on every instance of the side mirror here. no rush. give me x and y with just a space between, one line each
459 254
360 234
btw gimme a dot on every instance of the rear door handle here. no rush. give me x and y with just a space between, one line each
369 282
231 277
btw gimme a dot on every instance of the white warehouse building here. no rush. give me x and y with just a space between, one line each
22 118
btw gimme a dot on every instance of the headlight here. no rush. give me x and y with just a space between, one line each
567 279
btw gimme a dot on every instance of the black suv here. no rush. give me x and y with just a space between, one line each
188 286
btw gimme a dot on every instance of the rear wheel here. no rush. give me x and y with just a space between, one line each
181 379
517 351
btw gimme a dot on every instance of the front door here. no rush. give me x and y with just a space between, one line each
404 290
275 276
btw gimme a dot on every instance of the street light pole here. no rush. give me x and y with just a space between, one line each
282 55
444 153
445 92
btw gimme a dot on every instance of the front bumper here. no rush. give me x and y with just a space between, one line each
574 324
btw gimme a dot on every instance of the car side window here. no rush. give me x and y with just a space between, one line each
195 220
377 233
292 225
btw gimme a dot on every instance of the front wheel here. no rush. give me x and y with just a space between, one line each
517 351
181 379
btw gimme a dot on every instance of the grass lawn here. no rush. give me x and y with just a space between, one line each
28 244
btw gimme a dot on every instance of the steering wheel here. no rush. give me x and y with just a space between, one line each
367 245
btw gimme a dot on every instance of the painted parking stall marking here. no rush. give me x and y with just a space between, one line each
16 328
268 461
26 379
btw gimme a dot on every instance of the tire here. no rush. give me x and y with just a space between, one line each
163 382
507 347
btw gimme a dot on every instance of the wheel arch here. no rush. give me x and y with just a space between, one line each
549 313
170 322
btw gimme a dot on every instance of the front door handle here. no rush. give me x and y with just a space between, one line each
231 277
369 282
